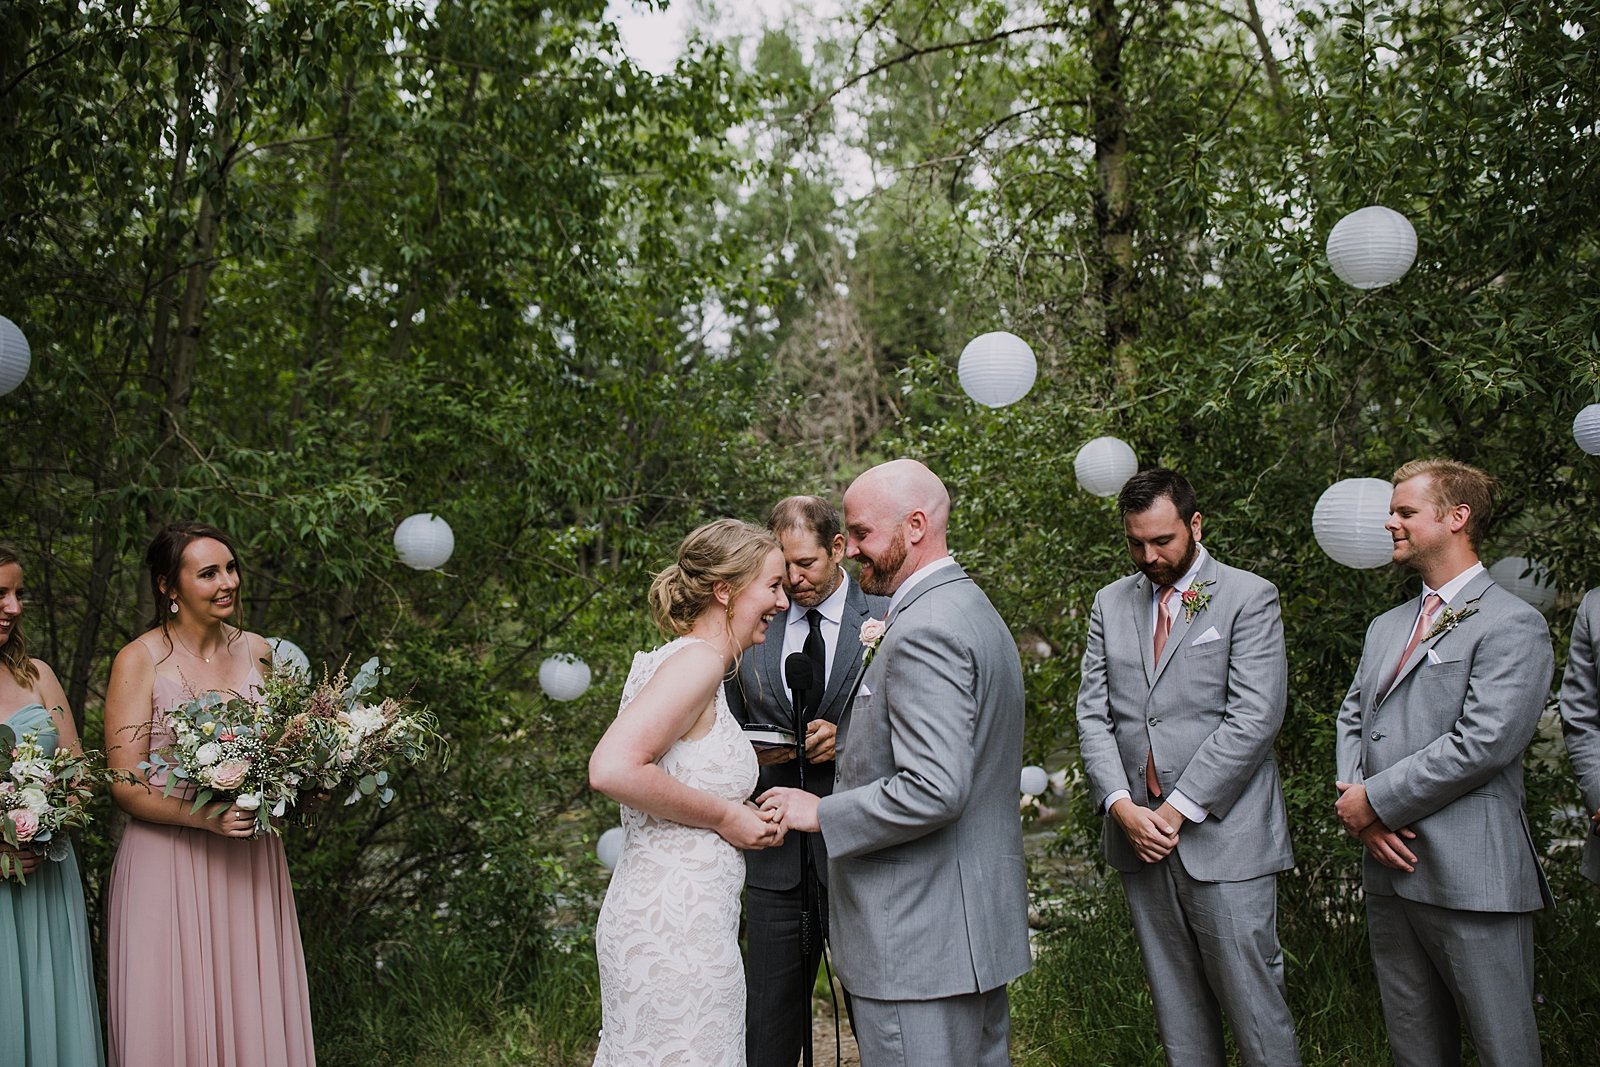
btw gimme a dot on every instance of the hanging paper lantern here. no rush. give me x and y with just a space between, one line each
424 542
1372 247
1348 522
1527 579
288 657
1034 780
564 677
997 369
609 848
1586 429
15 356
1104 464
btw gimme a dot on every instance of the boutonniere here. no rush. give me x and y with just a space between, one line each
871 633
1448 620
1195 598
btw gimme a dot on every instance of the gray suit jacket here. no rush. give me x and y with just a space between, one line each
928 887
1209 711
1441 750
758 694
1580 719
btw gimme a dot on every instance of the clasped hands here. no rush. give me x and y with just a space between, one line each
1153 834
1387 846
790 808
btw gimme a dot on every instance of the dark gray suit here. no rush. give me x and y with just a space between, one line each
927 882
777 981
1580 720
1440 752
1210 711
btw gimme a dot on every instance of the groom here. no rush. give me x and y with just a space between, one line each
928 887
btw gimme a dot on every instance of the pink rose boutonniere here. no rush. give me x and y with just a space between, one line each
871 633
1195 599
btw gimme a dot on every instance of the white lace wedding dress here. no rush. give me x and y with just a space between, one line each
671 979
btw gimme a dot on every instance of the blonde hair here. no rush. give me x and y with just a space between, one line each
1451 482
726 551
14 653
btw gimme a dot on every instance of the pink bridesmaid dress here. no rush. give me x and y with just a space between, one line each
203 944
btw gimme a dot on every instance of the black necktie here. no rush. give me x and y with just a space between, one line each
817 652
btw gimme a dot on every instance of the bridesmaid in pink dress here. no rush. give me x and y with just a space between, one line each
203 945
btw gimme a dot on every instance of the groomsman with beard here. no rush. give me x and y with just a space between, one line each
928 883
786 894
1183 691
1447 696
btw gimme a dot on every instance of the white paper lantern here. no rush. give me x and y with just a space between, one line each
609 848
1348 522
1372 247
1527 579
288 657
15 356
1034 780
1104 464
424 542
997 369
1586 429
564 677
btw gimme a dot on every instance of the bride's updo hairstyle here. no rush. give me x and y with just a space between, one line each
726 551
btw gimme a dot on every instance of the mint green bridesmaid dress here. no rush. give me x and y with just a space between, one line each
49 1016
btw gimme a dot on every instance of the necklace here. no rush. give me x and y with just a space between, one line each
192 652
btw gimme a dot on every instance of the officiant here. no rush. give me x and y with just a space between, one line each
797 680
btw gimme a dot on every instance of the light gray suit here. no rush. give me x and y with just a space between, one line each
777 981
1580 719
1440 752
1209 711
928 889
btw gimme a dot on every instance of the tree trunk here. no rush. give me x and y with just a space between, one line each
1114 209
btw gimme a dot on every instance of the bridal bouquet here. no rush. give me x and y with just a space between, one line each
233 748
353 738
42 795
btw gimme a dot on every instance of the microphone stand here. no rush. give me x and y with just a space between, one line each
801 678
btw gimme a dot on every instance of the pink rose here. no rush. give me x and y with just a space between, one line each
230 775
26 822
872 630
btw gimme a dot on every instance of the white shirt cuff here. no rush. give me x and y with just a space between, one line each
1186 807
1114 796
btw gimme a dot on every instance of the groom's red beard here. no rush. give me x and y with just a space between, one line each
878 575
1161 574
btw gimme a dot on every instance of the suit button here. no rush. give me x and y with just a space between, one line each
1153 722
1377 736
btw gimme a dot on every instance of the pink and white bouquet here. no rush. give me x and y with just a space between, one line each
356 737
42 796
232 748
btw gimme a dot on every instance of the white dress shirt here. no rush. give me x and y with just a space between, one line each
795 627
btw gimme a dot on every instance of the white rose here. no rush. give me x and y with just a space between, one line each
363 721
208 753
35 801
248 801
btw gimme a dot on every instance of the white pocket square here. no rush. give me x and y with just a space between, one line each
1206 638
866 690
1433 657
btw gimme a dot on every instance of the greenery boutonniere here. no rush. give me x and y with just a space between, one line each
871 634
1195 598
1448 620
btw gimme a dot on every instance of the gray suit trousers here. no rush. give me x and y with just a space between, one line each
778 981
971 1030
1439 966
1211 949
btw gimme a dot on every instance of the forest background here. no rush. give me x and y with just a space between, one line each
301 268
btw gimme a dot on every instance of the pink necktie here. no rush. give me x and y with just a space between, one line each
1163 631
1430 607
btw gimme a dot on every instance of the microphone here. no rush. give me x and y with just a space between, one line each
799 673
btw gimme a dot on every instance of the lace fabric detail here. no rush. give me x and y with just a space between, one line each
671 977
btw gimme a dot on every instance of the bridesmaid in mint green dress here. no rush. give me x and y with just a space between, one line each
48 1012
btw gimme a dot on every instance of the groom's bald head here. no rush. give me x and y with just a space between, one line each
896 517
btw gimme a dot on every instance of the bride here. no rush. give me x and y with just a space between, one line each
671 980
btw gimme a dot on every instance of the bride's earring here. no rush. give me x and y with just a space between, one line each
173 607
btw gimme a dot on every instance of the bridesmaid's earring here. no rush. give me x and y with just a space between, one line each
173 607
